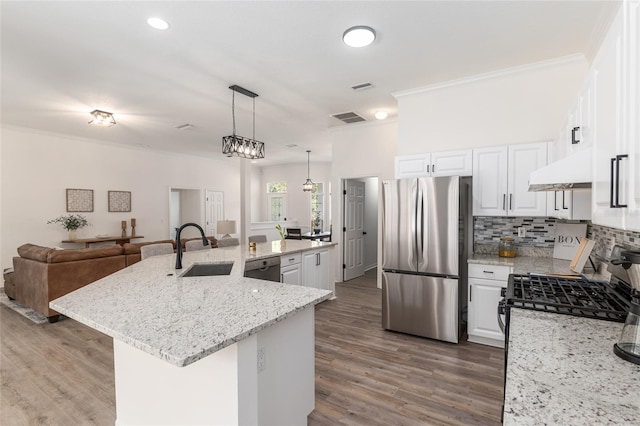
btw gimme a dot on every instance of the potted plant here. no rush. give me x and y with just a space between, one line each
316 223
71 223
283 234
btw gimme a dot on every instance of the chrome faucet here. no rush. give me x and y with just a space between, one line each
179 245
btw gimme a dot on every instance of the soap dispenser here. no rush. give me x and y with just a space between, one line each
628 346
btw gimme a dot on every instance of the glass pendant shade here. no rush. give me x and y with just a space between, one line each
308 185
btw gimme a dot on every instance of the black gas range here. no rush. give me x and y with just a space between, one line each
575 296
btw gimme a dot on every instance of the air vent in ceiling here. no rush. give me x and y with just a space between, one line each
291 145
349 117
362 86
185 126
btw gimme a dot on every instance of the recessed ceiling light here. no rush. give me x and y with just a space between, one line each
381 115
359 36
158 23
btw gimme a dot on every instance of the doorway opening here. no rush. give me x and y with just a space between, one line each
185 205
360 227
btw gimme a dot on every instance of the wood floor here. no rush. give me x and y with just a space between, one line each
62 374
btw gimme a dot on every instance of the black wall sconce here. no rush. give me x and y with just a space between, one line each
575 135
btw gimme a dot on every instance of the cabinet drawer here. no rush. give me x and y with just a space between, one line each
290 259
490 272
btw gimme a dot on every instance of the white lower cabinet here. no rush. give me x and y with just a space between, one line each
291 269
316 269
485 283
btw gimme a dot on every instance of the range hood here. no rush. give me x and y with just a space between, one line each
572 172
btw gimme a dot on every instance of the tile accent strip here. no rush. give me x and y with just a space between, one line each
541 235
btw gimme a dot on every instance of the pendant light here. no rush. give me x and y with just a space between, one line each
308 185
238 145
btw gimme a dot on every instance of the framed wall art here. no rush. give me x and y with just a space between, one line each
119 201
79 200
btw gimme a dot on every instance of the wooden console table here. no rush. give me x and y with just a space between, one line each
118 240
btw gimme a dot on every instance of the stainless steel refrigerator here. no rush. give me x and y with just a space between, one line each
426 238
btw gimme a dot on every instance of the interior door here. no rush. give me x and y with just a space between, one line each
354 229
214 211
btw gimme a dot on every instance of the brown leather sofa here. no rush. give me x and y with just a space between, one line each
42 274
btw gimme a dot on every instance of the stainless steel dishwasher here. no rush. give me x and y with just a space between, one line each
263 269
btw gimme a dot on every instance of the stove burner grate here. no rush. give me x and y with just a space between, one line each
580 297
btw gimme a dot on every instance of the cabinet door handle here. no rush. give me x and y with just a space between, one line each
281 278
504 201
470 293
428 168
510 201
618 158
317 259
488 272
611 187
433 168
575 137
563 206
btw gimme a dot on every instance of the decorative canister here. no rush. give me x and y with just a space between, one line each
507 247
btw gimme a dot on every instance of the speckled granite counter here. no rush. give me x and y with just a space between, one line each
538 265
181 320
562 371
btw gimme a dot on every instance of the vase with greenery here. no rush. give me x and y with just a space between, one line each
283 233
71 223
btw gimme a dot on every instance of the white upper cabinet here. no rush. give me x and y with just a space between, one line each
615 82
501 180
447 163
632 219
490 181
408 166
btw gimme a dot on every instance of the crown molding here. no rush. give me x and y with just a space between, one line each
492 74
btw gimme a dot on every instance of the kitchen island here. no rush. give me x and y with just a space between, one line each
205 350
561 370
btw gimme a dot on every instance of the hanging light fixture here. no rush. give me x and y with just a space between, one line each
239 145
102 118
308 185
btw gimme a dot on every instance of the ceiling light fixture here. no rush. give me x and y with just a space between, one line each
239 145
102 118
158 23
381 115
359 36
308 185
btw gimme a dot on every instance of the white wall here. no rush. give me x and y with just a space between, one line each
36 168
299 202
525 104
358 151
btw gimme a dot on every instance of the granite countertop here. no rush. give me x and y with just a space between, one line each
536 265
181 320
562 371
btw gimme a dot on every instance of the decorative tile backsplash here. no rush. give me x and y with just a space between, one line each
540 235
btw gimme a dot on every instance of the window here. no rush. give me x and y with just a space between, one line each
317 206
277 200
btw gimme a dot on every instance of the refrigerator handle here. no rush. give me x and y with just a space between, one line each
418 219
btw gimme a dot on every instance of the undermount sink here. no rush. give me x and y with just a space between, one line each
208 269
